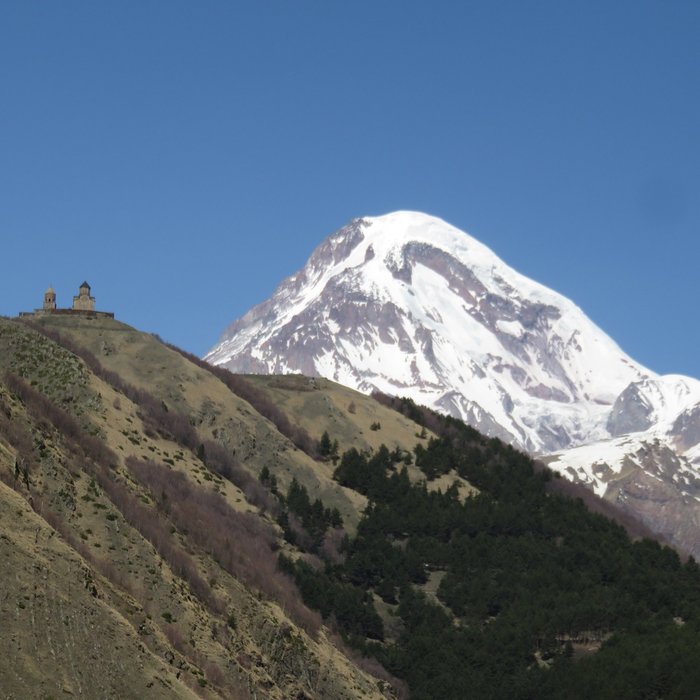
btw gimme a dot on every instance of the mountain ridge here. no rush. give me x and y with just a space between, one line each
541 344
409 305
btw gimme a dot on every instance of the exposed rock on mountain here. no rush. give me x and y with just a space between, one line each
408 304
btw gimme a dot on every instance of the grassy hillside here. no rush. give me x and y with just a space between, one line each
216 615
169 529
217 413
320 405
63 634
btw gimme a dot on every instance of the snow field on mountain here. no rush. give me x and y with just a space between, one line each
410 305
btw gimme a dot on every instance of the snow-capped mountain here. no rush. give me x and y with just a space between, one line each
410 305
407 304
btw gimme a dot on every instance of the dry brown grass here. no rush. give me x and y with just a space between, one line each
322 405
54 626
138 580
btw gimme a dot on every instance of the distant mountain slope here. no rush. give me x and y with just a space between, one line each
411 306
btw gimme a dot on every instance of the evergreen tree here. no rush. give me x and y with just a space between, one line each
325 446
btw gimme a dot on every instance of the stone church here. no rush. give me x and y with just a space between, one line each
83 304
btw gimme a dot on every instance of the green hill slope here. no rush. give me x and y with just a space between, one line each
216 614
168 529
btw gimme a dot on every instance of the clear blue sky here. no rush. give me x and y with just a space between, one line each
184 157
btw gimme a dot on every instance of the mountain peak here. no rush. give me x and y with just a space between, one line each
404 225
388 233
406 303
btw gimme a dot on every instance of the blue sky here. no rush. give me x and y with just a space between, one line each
194 154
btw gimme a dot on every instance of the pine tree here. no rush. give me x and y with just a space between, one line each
324 446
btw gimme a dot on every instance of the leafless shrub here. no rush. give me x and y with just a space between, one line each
154 528
258 495
154 413
117 576
96 457
54 519
224 462
301 537
370 665
47 415
313 561
419 414
259 401
9 481
158 419
19 436
59 524
174 636
241 543
214 674
330 549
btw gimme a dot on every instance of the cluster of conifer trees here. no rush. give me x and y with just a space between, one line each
528 595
